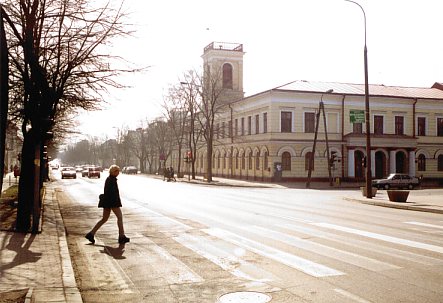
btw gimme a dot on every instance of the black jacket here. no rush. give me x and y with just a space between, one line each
112 195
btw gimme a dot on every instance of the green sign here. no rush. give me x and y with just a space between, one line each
357 116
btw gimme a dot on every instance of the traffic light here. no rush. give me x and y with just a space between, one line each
333 158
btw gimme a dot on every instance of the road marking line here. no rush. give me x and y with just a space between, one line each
330 252
306 266
351 296
361 244
226 260
176 272
424 224
167 222
385 238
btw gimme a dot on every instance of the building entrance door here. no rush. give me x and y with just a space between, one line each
359 169
400 163
380 165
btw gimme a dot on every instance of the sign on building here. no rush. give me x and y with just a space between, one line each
357 116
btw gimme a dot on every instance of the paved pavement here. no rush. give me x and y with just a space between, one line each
40 264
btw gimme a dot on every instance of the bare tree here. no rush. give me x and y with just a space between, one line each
57 67
209 107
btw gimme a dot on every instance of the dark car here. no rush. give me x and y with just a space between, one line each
130 170
396 181
93 172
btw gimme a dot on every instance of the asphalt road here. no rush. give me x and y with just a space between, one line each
195 243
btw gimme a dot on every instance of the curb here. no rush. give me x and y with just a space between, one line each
392 205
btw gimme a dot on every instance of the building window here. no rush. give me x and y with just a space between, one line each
378 125
440 163
357 128
236 161
243 164
213 161
257 124
399 125
236 127
421 162
223 130
218 161
257 160
224 161
242 126
309 161
265 122
309 122
217 130
250 160
286 122
249 125
421 126
265 161
227 75
230 128
440 127
286 161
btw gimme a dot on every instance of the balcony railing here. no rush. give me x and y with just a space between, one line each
224 46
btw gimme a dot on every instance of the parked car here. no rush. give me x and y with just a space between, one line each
131 170
68 172
397 181
94 172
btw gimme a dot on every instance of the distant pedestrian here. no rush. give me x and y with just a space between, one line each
111 202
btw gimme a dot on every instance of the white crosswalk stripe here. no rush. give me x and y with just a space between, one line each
425 224
381 237
304 265
344 256
226 259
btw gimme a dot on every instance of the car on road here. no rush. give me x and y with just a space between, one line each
131 170
396 181
93 172
68 172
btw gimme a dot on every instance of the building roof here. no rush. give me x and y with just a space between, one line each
359 89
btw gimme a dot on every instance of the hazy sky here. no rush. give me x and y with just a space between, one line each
284 41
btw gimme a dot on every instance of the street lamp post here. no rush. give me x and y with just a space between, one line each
367 116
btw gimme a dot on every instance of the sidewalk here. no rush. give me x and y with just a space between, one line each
38 265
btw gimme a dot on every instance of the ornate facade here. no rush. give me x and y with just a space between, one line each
270 135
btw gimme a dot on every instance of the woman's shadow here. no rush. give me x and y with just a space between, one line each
115 252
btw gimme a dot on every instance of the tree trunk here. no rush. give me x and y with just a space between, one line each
26 183
209 161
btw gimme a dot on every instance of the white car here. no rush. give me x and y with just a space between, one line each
68 172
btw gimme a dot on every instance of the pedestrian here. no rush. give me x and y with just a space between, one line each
112 202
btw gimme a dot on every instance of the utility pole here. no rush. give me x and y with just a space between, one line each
321 108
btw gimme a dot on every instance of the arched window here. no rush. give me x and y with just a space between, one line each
265 161
308 161
218 161
286 161
440 163
421 162
257 160
250 160
213 161
243 163
236 161
224 161
227 75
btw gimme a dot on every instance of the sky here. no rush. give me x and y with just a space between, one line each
283 40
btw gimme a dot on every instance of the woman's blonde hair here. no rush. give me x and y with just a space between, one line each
113 168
